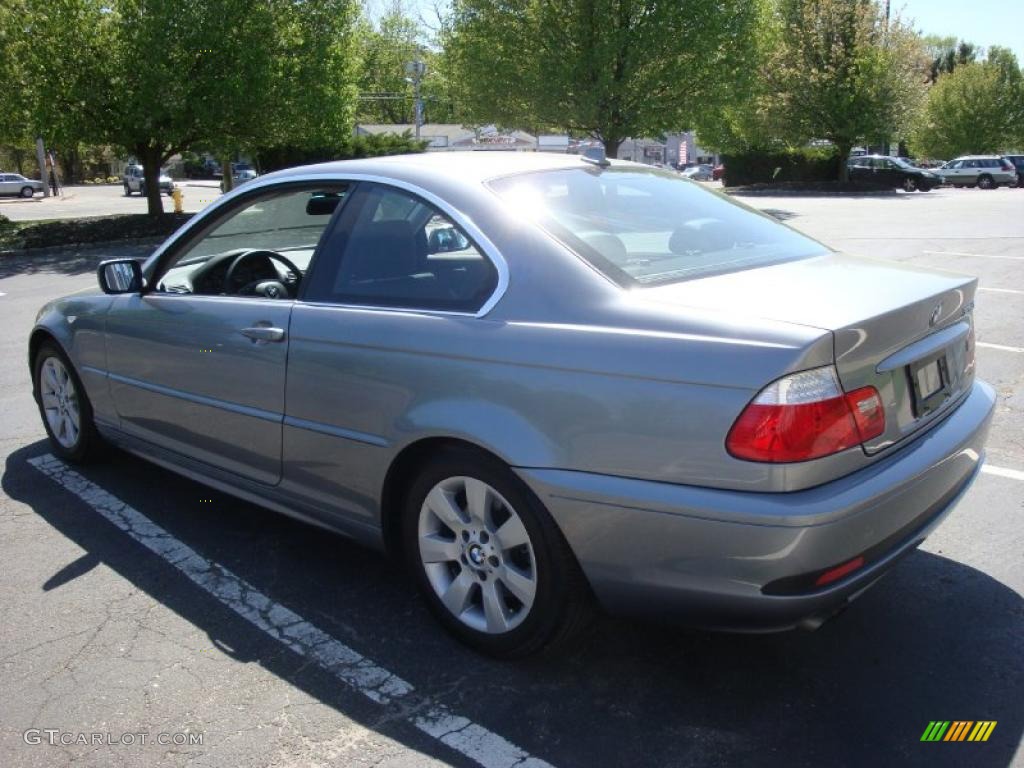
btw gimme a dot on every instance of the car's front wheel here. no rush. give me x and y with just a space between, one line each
494 568
27 192
66 411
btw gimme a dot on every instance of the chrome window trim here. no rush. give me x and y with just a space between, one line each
490 251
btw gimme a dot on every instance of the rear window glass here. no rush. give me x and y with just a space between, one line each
643 227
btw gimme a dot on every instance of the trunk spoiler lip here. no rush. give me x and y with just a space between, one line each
924 347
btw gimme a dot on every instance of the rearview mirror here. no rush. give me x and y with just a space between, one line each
120 276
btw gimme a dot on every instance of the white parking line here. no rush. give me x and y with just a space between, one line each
979 255
1002 347
347 665
1014 474
999 290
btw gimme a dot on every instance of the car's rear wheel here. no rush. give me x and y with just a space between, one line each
27 192
986 182
909 185
492 565
127 191
64 406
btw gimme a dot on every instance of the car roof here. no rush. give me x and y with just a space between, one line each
470 167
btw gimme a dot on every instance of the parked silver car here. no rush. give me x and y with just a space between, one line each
982 171
16 184
538 379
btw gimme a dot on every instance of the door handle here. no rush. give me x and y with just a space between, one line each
263 333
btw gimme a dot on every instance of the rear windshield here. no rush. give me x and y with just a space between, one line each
650 227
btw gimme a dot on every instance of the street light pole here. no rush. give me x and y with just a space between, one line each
415 71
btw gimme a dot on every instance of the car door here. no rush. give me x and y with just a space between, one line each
196 363
377 331
7 185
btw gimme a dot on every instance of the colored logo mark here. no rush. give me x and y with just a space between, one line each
958 730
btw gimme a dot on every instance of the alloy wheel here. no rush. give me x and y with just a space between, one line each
909 185
477 555
60 402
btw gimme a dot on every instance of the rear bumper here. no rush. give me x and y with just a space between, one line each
705 556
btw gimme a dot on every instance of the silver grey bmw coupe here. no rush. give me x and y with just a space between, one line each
546 383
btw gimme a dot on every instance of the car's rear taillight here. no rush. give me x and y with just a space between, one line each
805 416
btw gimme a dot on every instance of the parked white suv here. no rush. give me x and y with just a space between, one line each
982 171
134 180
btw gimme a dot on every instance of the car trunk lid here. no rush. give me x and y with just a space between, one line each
907 332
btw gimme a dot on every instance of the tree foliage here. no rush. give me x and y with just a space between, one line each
946 54
159 76
606 68
832 70
976 108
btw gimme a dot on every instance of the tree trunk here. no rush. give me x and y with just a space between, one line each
227 177
150 157
611 147
19 160
844 156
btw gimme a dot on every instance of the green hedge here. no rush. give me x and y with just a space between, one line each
274 158
766 167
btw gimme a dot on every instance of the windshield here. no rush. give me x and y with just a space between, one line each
649 227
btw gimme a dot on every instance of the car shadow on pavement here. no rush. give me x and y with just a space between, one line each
74 260
935 640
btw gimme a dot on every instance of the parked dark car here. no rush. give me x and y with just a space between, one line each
893 172
1018 163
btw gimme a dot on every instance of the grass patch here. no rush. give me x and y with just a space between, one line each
24 235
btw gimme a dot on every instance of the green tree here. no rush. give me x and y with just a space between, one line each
156 77
977 108
606 68
843 73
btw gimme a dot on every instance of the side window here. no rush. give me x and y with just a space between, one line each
393 249
262 248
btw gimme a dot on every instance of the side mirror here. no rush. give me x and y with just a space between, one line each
120 276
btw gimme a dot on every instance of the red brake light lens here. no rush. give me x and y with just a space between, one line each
805 416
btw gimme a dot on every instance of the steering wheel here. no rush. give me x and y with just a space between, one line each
248 288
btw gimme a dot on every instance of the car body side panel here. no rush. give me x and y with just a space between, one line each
364 383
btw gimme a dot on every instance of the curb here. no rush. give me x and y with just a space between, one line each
48 249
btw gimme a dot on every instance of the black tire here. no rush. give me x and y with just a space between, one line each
563 604
88 445
909 184
28 192
986 182
127 191
142 190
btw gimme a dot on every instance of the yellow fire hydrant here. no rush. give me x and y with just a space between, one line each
177 196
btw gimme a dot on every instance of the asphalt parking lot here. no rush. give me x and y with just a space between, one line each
126 594
103 200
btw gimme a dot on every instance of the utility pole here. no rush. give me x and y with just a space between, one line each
415 71
41 159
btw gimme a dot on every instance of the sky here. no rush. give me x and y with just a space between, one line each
982 22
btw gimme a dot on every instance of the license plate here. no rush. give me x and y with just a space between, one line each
930 383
